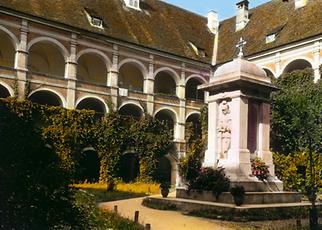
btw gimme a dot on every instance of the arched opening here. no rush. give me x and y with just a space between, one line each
167 117
297 65
7 51
129 167
131 110
192 92
46 58
193 127
45 97
269 73
92 104
4 92
165 84
163 173
131 77
89 166
92 68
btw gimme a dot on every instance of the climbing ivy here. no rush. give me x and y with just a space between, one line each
68 132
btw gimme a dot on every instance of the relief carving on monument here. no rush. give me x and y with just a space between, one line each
224 130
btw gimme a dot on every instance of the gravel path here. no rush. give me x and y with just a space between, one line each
163 220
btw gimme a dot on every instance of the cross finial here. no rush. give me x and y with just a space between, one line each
240 45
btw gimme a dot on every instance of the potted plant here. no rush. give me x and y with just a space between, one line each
259 169
238 193
165 186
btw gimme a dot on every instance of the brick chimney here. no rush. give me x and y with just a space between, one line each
242 16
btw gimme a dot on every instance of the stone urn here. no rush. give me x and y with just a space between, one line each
165 188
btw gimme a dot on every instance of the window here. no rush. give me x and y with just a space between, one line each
270 38
93 19
135 4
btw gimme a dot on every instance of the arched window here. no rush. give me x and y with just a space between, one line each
46 58
131 110
92 104
269 73
192 91
297 65
7 51
193 127
45 97
4 92
165 84
131 77
92 68
166 116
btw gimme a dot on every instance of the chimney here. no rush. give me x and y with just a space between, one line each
300 3
213 21
242 17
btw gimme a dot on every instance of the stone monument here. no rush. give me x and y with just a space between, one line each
239 122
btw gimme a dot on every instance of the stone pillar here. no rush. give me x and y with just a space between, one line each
71 72
238 163
21 59
317 63
180 126
211 153
112 80
278 70
149 86
264 136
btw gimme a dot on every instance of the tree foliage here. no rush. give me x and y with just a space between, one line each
297 113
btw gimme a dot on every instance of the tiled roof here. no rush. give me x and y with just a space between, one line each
275 16
159 25
168 28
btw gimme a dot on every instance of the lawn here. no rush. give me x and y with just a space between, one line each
121 190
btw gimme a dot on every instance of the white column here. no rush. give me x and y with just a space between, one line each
317 62
238 163
211 152
277 60
71 72
180 127
21 59
264 136
149 86
112 80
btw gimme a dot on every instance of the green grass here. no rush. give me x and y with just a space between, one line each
121 191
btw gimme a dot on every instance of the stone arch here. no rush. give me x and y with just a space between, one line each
93 66
166 81
13 37
193 122
297 64
45 96
93 103
89 166
6 90
192 92
131 109
129 166
167 115
164 169
47 56
269 72
137 72
8 47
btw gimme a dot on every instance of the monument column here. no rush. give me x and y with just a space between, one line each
264 136
238 163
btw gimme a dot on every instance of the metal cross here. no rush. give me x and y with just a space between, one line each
240 45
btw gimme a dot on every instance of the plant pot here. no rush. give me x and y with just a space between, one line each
239 200
164 192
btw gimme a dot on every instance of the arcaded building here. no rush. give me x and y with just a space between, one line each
145 56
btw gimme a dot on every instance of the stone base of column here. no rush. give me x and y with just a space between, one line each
259 186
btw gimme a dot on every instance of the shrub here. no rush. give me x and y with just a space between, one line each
210 179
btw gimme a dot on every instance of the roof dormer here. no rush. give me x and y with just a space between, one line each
94 19
134 4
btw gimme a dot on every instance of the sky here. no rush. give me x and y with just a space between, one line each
225 8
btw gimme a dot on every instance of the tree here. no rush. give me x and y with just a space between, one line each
297 122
